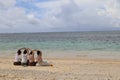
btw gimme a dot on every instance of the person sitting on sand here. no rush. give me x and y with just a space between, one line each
17 58
39 56
24 61
31 59
39 60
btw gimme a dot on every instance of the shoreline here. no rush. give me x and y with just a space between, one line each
105 55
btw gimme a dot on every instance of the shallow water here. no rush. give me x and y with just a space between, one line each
62 41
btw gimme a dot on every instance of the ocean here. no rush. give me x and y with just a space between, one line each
61 42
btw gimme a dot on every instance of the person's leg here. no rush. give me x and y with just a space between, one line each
32 63
24 64
17 63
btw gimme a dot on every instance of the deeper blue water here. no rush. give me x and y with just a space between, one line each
62 41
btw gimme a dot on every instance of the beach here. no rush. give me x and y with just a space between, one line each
59 39
62 69
74 55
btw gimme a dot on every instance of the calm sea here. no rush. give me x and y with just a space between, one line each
62 41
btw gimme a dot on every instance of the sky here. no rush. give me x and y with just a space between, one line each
18 16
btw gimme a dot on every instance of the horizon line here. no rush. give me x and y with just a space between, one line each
57 31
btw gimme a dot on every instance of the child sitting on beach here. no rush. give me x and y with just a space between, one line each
17 58
39 60
31 59
24 61
39 56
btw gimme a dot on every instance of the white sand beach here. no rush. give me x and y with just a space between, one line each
63 69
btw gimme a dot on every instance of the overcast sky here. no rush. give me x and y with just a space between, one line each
59 15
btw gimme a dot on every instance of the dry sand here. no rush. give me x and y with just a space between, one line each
63 69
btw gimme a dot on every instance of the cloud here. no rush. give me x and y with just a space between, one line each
112 10
82 14
6 5
59 15
15 19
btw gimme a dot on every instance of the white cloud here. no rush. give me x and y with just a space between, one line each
7 4
15 19
112 10
74 13
60 15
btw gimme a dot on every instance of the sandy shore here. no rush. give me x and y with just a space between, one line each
63 69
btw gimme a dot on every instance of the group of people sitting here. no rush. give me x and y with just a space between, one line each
26 57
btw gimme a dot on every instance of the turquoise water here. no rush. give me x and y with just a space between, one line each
62 41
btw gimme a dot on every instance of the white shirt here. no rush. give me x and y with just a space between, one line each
17 58
24 58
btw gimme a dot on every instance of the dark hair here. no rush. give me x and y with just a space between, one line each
39 53
25 51
30 53
19 52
